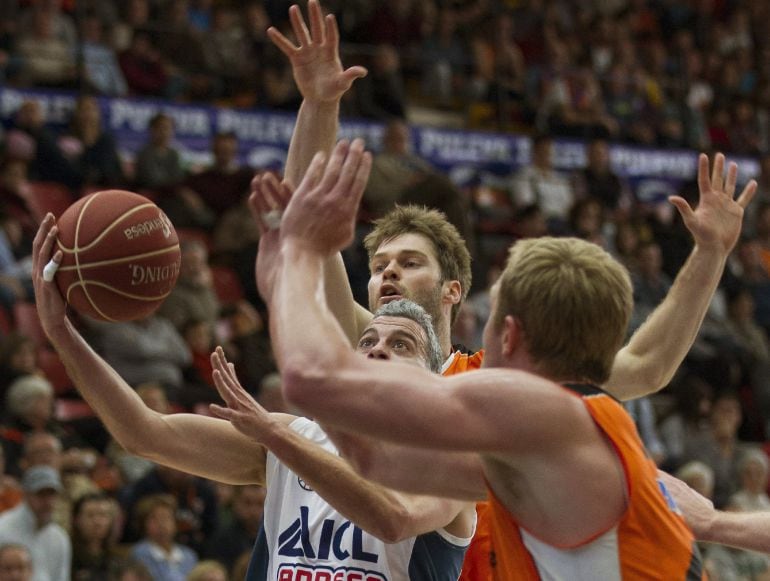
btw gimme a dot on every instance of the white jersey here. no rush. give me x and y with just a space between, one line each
305 539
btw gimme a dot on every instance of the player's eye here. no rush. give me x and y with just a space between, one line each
365 342
378 268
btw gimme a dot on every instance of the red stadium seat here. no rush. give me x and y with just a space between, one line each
48 197
54 371
67 410
227 285
28 323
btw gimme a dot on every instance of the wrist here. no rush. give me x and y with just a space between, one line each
296 247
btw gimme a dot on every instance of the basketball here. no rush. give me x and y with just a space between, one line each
120 256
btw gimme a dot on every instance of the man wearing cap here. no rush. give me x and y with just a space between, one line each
30 524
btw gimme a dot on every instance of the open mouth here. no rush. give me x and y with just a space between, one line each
389 293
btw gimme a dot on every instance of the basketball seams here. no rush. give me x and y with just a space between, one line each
121 259
104 232
117 291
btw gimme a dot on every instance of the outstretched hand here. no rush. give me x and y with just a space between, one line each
268 199
51 307
716 221
315 59
322 213
697 510
242 411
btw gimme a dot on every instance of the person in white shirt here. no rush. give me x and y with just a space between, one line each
30 524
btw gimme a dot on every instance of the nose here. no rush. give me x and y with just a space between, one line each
391 271
378 352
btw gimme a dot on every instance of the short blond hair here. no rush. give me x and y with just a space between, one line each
449 246
573 301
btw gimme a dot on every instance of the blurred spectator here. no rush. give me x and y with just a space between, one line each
18 356
224 47
394 169
597 180
130 570
196 504
256 47
92 149
586 221
144 70
99 61
10 490
30 524
538 183
248 345
199 383
135 17
194 296
15 193
650 283
15 563
15 264
166 559
208 571
158 164
752 492
687 423
45 57
381 94
41 151
93 548
720 448
231 541
444 58
226 181
149 349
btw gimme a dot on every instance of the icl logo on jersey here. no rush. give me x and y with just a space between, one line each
334 544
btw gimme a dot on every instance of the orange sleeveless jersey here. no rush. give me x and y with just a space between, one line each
653 542
476 566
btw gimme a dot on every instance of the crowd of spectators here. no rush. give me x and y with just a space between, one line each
670 74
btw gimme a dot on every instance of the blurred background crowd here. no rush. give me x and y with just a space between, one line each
654 73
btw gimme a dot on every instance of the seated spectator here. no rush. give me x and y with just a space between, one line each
687 423
597 179
720 448
93 150
225 48
18 357
752 492
130 570
194 296
165 559
158 165
149 349
586 221
196 504
208 571
15 264
381 94
45 58
93 548
230 541
15 193
199 382
100 63
651 284
30 524
539 183
144 69
226 181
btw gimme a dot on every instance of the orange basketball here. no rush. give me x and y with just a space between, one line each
121 256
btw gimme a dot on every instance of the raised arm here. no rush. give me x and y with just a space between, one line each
322 82
652 356
207 447
389 515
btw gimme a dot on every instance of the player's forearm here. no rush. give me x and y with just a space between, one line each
314 131
381 512
750 531
113 400
650 359
306 336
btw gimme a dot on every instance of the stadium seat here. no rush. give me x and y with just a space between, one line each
67 410
54 370
227 285
48 197
28 323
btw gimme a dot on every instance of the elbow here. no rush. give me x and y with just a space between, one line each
394 526
304 380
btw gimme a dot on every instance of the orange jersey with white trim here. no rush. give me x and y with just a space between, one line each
650 541
476 565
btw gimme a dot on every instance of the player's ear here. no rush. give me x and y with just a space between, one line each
453 291
512 335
